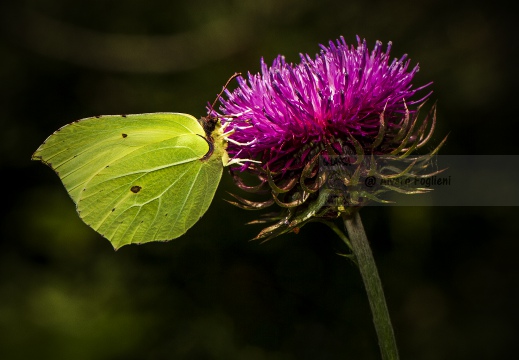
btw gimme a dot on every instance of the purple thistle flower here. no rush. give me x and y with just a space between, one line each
347 102
286 110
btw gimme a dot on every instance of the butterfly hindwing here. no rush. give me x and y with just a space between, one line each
135 178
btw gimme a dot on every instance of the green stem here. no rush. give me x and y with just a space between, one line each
369 273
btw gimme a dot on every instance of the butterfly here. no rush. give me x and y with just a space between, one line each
142 177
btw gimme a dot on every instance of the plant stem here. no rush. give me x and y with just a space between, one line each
368 270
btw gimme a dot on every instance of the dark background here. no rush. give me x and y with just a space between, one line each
450 273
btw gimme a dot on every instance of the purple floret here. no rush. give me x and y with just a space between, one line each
281 115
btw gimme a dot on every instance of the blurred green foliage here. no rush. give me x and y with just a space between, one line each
451 274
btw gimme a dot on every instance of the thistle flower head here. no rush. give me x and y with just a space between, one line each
346 100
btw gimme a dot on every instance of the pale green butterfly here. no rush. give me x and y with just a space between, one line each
139 178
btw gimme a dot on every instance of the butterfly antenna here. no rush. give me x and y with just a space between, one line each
223 89
209 122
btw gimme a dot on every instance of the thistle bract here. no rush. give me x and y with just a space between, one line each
347 103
